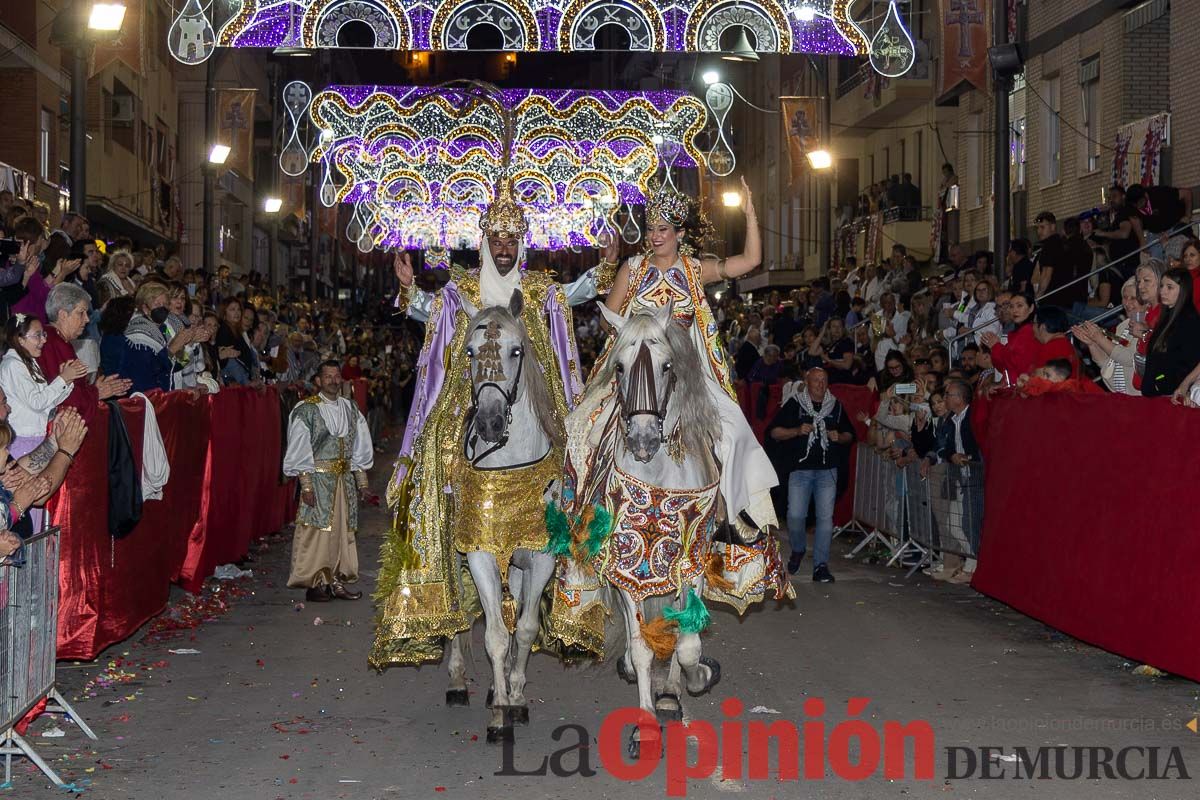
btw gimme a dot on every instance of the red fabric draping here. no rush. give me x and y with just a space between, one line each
104 588
108 590
84 396
748 394
854 399
360 393
241 498
1092 533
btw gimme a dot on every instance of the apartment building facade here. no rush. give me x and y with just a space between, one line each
131 119
1105 81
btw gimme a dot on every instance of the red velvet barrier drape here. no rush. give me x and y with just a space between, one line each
242 498
107 591
854 399
1089 523
360 393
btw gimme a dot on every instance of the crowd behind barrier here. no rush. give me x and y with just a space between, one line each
225 490
908 512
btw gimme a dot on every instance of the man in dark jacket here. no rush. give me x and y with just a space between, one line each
814 434
74 229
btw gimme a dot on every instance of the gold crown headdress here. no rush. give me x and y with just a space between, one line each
504 217
665 202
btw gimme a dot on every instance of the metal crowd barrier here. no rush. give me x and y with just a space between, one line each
28 646
909 514
947 510
879 502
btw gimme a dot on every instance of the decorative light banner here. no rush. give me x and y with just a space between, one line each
421 163
772 26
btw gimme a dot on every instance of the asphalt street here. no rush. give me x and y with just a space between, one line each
278 702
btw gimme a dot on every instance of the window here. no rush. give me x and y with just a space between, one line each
1089 84
122 116
1051 131
973 180
1016 137
44 145
1016 154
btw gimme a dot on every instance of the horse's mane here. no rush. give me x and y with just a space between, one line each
699 421
532 378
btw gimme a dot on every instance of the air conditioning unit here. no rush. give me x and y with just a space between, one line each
122 108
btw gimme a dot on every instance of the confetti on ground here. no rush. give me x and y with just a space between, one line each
213 602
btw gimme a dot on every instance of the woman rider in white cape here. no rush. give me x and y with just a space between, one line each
668 274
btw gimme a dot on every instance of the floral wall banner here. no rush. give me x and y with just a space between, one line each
1137 151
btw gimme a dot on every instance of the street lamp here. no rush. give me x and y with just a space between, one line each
731 199
710 77
218 154
820 159
107 17
272 205
78 27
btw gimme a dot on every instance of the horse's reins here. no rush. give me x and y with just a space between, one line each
510 399
644 389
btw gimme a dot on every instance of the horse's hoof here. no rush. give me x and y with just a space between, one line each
636 746
491 694
714 676
519 715
501 734
672 712
623 673
457 697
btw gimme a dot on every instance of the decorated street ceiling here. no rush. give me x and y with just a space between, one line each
772 26
420 164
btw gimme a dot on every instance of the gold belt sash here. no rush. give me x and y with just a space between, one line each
338 466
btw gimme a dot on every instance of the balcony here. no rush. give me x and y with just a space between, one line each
870 239
869 100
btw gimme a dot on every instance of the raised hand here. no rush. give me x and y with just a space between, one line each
73 370
69 430
112 386
748 200
402 264
612 248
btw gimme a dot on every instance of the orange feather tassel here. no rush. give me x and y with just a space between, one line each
714 573
660 636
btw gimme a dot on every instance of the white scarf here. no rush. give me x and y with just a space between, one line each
819 416
496 289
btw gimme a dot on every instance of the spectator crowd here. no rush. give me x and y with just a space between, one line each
1100 302
87 320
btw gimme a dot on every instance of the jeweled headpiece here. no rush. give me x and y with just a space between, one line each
666 203
504 217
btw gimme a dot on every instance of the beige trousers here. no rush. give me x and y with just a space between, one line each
322 557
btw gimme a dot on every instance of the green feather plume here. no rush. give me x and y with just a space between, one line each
598 529
558 528
694 617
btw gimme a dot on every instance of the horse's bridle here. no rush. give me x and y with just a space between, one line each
510 399
644 390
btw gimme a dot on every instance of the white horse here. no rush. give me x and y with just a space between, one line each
511 423
665 472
